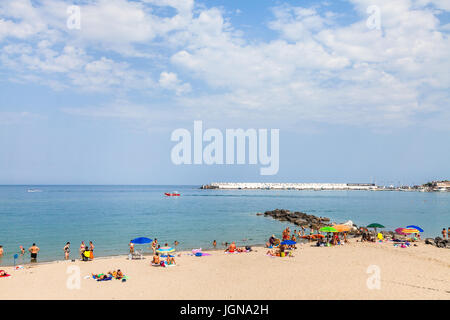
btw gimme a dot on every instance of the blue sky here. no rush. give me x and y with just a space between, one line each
97 105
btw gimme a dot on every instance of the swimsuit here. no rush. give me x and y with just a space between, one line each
33 255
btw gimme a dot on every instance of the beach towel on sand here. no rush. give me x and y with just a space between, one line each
105 279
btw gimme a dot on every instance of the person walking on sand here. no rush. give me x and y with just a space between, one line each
444 233
66 250
34 249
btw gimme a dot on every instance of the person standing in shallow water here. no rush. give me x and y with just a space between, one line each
67 251
34 249
444 234
82 248
214 244
91 249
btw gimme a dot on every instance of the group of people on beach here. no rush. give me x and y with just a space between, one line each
87 251
33 250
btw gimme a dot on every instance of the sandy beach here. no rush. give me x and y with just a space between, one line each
421 272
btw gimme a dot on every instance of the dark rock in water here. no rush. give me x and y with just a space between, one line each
259 214
298 218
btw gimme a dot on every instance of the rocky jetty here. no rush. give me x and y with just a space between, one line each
302 219
298 218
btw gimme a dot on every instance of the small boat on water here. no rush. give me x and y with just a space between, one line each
173 194
34 190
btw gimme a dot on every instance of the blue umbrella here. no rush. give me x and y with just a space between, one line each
289 242
415 227
141 240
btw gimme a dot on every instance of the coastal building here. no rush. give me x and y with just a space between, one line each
291 186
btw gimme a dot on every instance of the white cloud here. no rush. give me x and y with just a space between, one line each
170 81
315 69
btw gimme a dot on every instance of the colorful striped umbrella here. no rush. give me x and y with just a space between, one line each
400 231
415 227
165 250
410 230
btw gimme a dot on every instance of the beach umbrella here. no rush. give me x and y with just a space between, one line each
141 240
410 230
288 242
342 228
400 231
375 226
328 229
415 227
164 250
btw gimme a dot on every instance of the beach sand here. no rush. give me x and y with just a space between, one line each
421 272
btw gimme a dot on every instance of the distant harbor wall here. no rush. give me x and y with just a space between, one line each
291 186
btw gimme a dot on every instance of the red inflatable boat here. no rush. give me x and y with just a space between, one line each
173 194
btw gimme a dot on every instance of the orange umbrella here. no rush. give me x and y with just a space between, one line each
342 228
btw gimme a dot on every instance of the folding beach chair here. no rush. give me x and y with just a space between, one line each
138 254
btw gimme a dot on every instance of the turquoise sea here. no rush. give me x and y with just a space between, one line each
112 215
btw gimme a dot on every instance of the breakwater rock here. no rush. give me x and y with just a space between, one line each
303 219
298 218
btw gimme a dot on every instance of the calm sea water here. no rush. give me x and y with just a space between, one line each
112 215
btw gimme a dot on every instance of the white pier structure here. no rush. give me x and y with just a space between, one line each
293 186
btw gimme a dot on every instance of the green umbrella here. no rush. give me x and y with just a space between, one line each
328 229
375 226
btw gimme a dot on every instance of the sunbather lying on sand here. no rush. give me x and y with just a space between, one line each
101 276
